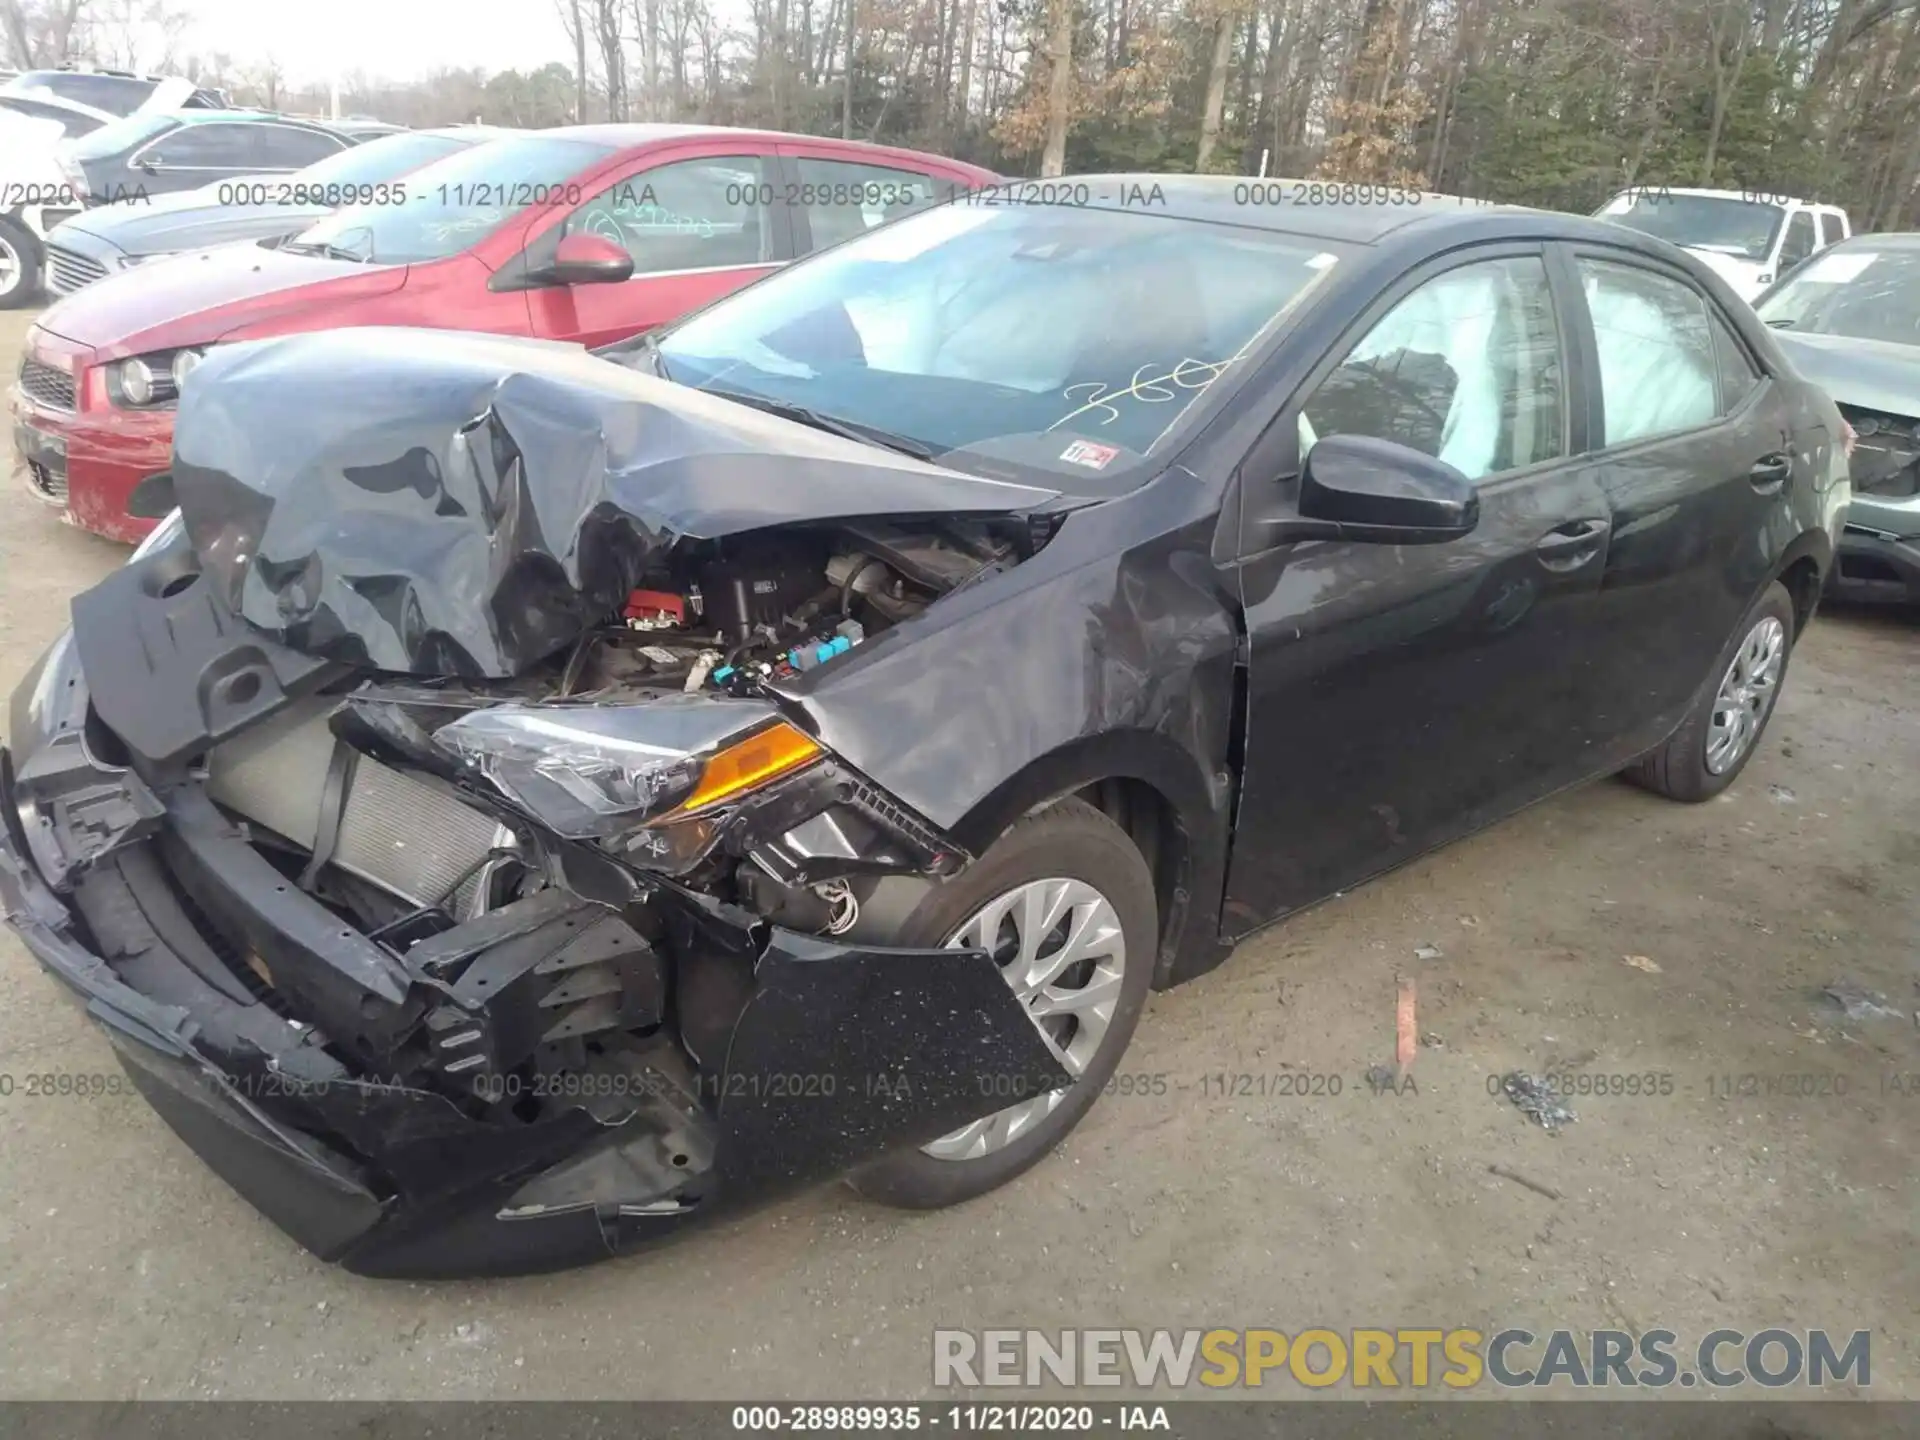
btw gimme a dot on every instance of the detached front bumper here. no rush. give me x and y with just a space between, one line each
206 968
1879 551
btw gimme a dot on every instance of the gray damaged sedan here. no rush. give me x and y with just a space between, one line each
1850 321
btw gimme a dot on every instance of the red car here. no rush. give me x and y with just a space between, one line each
590 233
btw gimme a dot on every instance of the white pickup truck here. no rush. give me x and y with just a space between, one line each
1749 237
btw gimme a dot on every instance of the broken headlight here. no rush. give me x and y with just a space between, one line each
595 772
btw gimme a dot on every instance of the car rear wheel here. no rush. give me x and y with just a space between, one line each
1714 743
1065 904
19 264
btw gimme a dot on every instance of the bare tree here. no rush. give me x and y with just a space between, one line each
1226 17
1053 158
39 32
575 24
613 60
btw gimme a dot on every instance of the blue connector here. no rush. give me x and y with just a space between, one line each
720 675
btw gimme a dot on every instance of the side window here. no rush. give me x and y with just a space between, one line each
203 147
1799 242
843 199
1658 372
281 147
692 215
1738 378
1831 232
1466 369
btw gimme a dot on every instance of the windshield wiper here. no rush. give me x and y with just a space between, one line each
331 252
832 424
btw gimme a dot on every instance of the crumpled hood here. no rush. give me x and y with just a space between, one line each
1870 374
442 503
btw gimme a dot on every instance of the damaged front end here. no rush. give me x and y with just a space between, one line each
471 972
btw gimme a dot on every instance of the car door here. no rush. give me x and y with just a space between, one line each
195 155
833 197
279 148
1692 443
1797 242
1401 695
698 225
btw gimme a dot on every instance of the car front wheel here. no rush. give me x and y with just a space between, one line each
1714 743
19 264
1065 905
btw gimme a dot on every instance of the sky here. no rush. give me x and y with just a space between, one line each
394 39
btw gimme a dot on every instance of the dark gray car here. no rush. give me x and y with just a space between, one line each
1850 321
161 154
109 238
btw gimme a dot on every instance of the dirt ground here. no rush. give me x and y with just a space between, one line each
127 1270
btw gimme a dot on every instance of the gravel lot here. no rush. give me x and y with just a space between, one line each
127 1270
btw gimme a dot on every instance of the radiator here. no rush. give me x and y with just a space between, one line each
407 836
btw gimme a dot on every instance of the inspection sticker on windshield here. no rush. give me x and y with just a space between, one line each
1089 454
1839 269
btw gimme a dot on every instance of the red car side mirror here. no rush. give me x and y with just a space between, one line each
588 260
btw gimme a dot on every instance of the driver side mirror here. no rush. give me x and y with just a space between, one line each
148 165
1357 488
1383 491
587 260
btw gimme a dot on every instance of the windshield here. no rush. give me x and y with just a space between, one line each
120 135
380 159
454 203
1742 228
1864 293
1066 339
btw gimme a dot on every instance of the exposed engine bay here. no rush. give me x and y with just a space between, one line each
1886 455
757 607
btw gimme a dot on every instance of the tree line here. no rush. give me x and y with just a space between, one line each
1545 102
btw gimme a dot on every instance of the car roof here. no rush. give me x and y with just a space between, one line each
203 117
1325 210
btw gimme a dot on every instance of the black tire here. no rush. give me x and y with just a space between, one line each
1678 769
1068 840
20 245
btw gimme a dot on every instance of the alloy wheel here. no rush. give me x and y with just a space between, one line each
10 267
1746 694
1060 946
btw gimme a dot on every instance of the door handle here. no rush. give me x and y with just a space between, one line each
1569 546
1771 472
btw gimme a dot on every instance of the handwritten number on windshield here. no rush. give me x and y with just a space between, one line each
1098 399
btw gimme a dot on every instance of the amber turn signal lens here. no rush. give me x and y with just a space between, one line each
748 764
